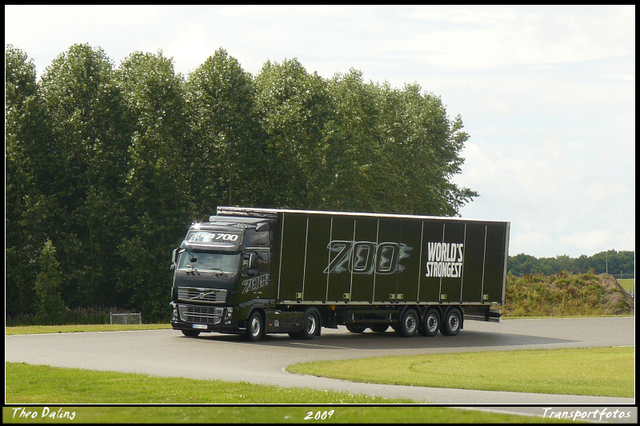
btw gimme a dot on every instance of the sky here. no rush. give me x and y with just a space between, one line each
546 93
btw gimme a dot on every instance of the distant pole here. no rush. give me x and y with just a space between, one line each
606 262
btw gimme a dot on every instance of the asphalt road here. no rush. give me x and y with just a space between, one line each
227 357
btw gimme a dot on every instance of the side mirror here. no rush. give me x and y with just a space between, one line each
174 259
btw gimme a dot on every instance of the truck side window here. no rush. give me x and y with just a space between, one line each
257 239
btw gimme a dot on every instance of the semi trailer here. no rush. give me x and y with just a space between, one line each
253 271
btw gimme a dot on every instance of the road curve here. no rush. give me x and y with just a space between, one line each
227 357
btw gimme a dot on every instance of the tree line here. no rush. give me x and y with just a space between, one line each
107 166
610 261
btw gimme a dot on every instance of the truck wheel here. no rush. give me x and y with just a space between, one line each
255 327
379 328
408 326
431 323
356 328
310 326
452 322
191 333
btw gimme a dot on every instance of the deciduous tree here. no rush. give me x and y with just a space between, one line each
91 137
156 190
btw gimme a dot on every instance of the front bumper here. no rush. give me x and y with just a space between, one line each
203 318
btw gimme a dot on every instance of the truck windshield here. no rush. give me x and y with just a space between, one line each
217 262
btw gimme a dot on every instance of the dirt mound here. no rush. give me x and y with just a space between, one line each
618 301
566 294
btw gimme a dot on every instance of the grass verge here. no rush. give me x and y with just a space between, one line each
576 371
37 384
273 415
627 284
40 329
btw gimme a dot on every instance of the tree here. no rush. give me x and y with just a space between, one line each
294 109
156 185
394 150
226 156
49 303
420 150
31 162
85 109
352 155
110 165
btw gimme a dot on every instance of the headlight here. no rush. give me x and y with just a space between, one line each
227 315
174 313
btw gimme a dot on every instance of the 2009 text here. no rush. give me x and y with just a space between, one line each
320 415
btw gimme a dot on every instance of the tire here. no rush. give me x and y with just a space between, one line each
379 328
452 322
409 323
356 328
191 333
430 324
255 327
310 326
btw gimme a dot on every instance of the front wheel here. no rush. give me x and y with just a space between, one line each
255 327
191 333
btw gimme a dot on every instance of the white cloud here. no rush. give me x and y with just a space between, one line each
547 93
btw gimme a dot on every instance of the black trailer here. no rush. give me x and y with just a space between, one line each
254 271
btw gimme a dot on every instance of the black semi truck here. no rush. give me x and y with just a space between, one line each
253 271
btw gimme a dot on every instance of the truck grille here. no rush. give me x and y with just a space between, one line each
201 314
206 295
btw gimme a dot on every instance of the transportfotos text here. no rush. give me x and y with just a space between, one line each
597 414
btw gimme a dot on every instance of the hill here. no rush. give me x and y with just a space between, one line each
566 294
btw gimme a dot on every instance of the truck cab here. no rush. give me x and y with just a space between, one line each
222 271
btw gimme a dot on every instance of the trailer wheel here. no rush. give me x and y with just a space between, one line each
408 326
452 322
379 328
356 328
191 333
431 323
255 327
310 326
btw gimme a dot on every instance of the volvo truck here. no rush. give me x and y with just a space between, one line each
253 271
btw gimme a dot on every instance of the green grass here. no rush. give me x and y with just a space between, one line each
26 384
39 329
37 384
627 284
281 414
578 371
